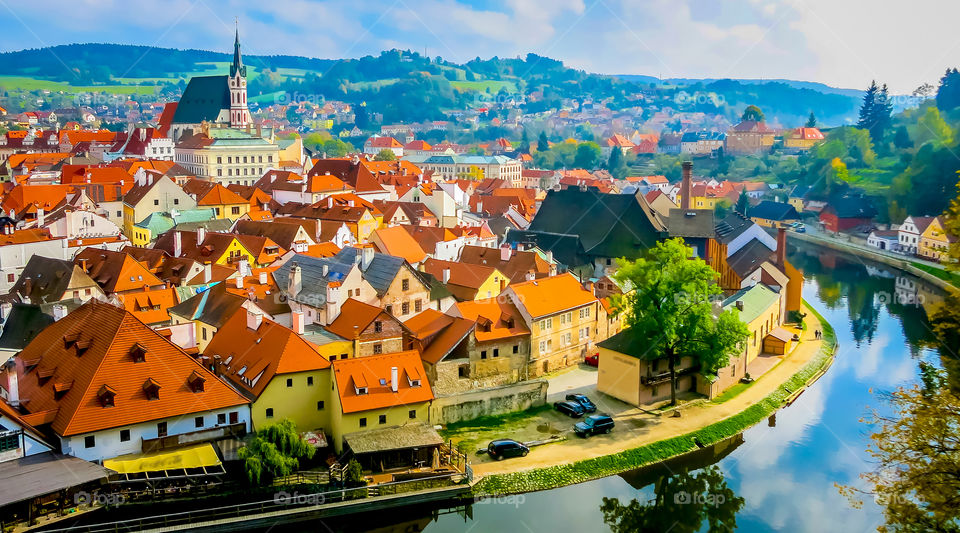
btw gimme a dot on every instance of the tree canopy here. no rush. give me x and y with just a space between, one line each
672 307
385 155
752 112
275 451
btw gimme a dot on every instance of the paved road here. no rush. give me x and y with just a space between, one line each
829 237
582 379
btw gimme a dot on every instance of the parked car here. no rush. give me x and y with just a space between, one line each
503 448
588 406
592 425
592 359
571 409
800 229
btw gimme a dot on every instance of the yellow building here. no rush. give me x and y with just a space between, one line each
227 155
152 193
283 375
225 249
562 317
467 281
802 140
935 241
378 392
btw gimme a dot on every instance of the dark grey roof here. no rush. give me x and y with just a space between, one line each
438 290
203 99
48 279
750 257
213 306
732 227
852 206
566 248
23 324
691 223
45 473
630 342
770 210
313 290
381 271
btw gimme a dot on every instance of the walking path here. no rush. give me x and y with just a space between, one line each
694 416
816 236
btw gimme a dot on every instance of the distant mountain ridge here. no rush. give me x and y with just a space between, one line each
405 86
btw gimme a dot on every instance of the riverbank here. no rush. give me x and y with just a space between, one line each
904 263
703 425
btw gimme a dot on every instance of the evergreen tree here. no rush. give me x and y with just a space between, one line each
615 161
948 94
524 143
542 144
868 106
812 121
901 139
743 202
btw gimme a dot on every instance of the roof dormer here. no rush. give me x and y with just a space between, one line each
107 395
152 389
138 353
195 381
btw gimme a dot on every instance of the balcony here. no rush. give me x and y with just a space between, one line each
173 441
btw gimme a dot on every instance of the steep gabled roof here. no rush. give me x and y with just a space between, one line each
770 210
372 373
202 100
45 279
91 350
438 333
551 295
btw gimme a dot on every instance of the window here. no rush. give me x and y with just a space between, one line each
343 356
417 306
333 357
320 405
378 348
516 348
269 412
404 308
235 210
198 422
496 352
234 417
378 326
309 381
89 441
156 202
363 422
203 333
412 414
584 333
221 418
483 354
11 278
289 382
383 419
389 309
405 285
161 429
176 201
124 435
585 312
546 323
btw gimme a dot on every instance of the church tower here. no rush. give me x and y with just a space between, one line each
239 115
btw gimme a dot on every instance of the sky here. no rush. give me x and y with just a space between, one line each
844 43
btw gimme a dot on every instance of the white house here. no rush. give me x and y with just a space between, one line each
884 239
908 234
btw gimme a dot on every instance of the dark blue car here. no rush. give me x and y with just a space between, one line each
588 406
571 409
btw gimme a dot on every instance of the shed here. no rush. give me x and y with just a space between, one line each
778 341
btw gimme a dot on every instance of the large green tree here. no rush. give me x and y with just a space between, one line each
672 307
812 120
682 503
588 155
385 155
617 163
948 94
752 112
542 143
275 451
743 202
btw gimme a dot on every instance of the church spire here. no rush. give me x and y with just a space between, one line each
237 65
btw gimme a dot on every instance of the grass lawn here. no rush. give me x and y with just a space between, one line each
474 434
951 277
13 83
483 85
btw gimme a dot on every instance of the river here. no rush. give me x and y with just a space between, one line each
777 476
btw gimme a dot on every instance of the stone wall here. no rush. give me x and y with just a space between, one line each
487 402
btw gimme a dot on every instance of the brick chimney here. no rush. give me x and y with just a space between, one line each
781 247
686 185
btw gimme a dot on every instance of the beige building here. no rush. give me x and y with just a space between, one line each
562 318
228 156
476 167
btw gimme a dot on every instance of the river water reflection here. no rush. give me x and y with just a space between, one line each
777 476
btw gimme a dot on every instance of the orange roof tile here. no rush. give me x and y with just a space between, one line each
150 306
93 347
374 373
496 318
396 241
547 296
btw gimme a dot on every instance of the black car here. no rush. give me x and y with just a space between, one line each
571 409
588 406
499 449
593 424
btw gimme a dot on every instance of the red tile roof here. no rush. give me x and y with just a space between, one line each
373 373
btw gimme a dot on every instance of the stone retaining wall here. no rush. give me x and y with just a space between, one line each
486 402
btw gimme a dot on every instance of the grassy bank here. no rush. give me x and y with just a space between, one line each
598 467
950 277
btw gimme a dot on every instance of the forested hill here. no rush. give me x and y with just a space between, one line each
405 85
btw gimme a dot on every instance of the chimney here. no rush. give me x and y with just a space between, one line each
588 286
201 235
530 275
262 278
505 252
333 302
177 245
550 256
243 266
298 324
781 247
13 384
446 276
685 185
59 311
207 272
5 309
739 304
366 257
324 270
329 202
240 282
254 319
295 281
394 386
41 218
